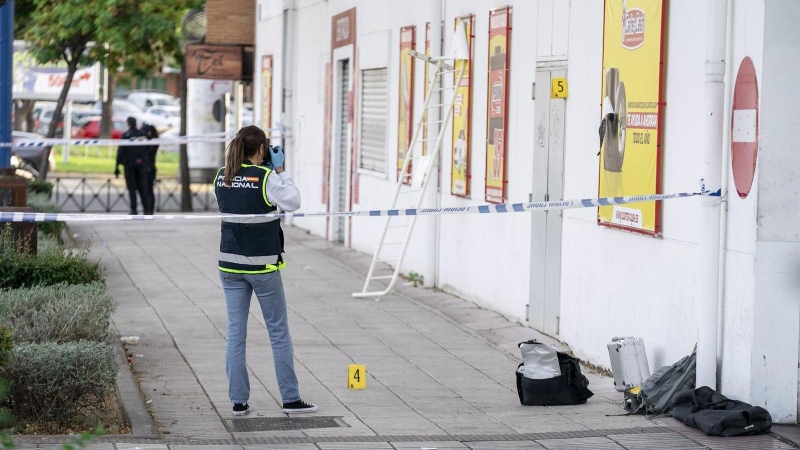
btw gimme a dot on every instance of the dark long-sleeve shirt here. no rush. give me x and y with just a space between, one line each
129 154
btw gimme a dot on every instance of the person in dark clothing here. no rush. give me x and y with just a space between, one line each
134 159
150 132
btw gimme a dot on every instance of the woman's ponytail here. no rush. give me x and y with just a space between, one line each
248 141
233 159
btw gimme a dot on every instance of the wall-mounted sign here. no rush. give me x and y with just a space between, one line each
266 93
214 62
497 105
343 28
462 118
558 88
744 127
34 81
633 66
406 101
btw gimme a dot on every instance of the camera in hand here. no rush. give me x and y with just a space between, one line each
267 161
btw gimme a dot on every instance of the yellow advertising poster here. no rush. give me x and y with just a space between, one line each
266 93
496 105
460 175
631 114
406 103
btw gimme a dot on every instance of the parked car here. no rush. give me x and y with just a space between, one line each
77 115
163 117
89 128
123 108
146 98
30 159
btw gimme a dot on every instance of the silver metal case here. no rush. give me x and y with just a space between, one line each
628 362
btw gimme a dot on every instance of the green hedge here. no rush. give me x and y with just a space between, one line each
41 203
6 344
48 267
58 313
41 187
54 382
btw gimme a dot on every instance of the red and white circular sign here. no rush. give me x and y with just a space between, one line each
744 127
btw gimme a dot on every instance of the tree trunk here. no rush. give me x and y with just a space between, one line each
72 67
108 107
22 115
29 122
186 193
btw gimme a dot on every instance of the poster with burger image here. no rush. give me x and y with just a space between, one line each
630 132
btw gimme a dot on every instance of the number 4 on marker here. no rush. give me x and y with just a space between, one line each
356 376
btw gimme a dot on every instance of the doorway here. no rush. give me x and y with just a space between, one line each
548 185
342 140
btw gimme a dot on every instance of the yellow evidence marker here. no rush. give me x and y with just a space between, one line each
357 376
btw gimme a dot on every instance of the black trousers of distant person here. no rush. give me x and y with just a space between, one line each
136 180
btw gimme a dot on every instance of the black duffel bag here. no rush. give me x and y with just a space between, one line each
570 388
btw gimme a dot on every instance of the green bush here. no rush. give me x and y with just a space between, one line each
6 344
53 266
54 382
58 313
41 204
41 187
48 243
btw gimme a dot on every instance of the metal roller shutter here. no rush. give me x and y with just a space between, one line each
374 107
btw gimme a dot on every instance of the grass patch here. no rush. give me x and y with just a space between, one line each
89 159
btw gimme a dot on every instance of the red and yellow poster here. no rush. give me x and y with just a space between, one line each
633 36
497 104
405 112
326 137
266 93
427 80
460 175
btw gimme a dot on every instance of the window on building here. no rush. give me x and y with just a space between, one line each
374 107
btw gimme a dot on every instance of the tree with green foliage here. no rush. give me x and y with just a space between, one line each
138 38
61 31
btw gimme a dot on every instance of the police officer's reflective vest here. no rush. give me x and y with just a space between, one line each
249 245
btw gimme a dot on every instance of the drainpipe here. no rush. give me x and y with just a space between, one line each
710 173
287 71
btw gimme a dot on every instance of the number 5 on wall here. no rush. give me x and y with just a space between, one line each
558 88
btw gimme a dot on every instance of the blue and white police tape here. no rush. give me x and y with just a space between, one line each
202 138
476 209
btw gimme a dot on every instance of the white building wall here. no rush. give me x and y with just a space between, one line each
487 258
617 283
613 283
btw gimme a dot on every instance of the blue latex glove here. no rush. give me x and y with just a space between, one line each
277 156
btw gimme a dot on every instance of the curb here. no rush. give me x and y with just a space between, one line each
130 396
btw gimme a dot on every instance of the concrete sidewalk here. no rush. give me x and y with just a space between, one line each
440 370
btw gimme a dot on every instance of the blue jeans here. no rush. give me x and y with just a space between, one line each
239 290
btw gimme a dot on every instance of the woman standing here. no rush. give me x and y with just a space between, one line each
250 260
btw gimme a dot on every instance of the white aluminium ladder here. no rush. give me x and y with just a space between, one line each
397 229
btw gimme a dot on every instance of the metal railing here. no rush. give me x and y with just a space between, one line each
110 195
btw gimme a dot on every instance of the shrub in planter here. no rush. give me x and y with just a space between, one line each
53 266
54 382
58 313
6 344
41 187
41 204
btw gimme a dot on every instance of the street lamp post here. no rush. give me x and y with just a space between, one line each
6 59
